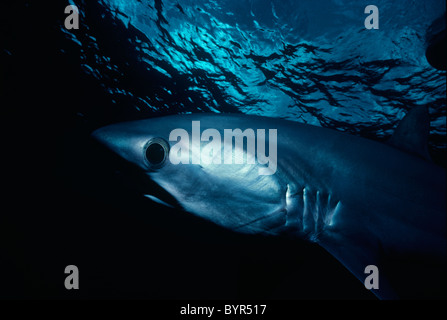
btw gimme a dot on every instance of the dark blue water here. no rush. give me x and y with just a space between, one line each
307 61
68 201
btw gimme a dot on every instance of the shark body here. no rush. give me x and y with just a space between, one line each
364 202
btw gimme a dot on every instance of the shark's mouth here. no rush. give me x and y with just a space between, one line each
137 180
143 184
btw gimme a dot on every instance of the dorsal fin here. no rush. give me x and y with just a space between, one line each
411 135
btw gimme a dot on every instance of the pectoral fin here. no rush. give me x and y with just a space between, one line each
356 253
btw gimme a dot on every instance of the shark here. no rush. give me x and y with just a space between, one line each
364 201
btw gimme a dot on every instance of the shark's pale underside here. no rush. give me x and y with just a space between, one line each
363 201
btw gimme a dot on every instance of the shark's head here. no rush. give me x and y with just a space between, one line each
234 196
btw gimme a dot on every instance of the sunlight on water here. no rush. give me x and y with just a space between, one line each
307 61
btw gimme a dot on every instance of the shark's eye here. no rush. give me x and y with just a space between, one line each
156 151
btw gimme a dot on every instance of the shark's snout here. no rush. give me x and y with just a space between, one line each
109 137
106 138
124 141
